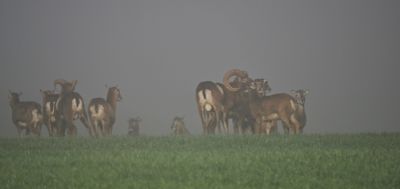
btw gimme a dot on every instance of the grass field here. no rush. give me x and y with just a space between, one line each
307 161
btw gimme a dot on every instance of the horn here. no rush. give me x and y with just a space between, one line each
233 72
61 82
74 82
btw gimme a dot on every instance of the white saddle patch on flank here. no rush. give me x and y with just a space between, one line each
293 105
36 116
202 100
100 111
75 106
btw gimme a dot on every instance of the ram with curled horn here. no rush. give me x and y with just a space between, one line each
70 107
236 83
215 100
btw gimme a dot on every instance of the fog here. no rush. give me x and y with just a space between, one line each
157 51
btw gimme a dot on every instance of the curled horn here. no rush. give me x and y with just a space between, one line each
233 72
60 82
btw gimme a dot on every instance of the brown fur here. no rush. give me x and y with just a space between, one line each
65 115
49 117
178 127
297 118
269 109
239 110
105 121
222 104
134 126
23 116
209 117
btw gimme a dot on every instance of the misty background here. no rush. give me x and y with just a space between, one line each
157 51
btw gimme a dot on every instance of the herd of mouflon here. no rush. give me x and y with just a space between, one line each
240 98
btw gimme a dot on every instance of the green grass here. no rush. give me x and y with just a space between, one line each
308 161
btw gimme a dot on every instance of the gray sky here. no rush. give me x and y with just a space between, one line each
345 52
